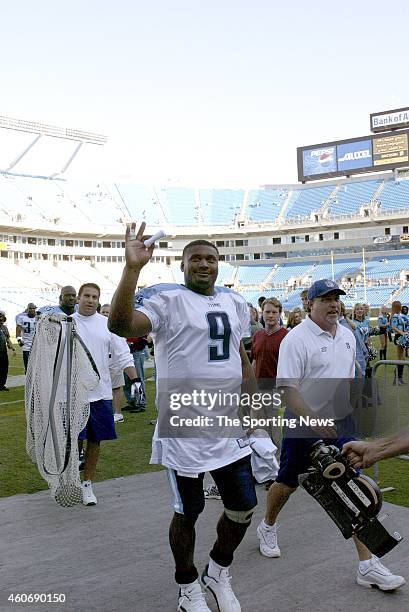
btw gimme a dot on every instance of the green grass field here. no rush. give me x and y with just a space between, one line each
130 453
127 455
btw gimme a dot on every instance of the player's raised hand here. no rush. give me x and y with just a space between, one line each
136 253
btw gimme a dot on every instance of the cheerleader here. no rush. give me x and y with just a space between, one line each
398 327
383 324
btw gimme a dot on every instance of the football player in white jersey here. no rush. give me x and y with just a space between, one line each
25 326
197 329
67 303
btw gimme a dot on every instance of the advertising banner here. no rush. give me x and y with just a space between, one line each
388 120
319 161
354 155
390 149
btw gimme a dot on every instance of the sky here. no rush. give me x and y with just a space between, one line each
215 93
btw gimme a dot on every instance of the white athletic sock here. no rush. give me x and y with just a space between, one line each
189 584
214 569
364 565
269 527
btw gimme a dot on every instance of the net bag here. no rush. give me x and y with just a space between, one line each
60 374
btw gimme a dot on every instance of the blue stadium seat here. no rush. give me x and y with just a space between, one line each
386 267
180 204
265 204
286 272
252 275
324 269
304 201
220 206
394 195
141 202
351 196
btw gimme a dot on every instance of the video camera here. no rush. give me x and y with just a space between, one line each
351 499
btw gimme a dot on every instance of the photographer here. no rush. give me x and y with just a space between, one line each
363 454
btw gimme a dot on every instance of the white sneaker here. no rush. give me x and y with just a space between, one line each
380 576
221 590
268 540
118 417
192 598
212 492
88 497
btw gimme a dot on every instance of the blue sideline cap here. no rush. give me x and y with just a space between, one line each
322 287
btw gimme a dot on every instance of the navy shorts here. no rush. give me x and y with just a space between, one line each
100 425
234 481
294 457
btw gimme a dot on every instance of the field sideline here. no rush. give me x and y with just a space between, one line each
127 455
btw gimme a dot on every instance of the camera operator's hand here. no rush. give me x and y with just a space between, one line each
361 454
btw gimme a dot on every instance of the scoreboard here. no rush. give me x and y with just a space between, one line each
374 153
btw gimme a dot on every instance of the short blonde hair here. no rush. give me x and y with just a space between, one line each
273 302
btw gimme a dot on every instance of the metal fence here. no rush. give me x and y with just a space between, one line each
390 403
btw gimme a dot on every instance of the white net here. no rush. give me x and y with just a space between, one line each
60 374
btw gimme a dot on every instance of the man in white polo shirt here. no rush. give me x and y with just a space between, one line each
316 362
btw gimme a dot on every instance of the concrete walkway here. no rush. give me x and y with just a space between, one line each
114 557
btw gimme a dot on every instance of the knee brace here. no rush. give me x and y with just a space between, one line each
240 516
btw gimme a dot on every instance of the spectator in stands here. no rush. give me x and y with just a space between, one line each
383 324
25 327
294 318
117 375
4 345
398 328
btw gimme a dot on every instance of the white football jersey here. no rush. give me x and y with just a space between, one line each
51 309
197 341
28 326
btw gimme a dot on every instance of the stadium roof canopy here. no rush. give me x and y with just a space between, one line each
30 148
